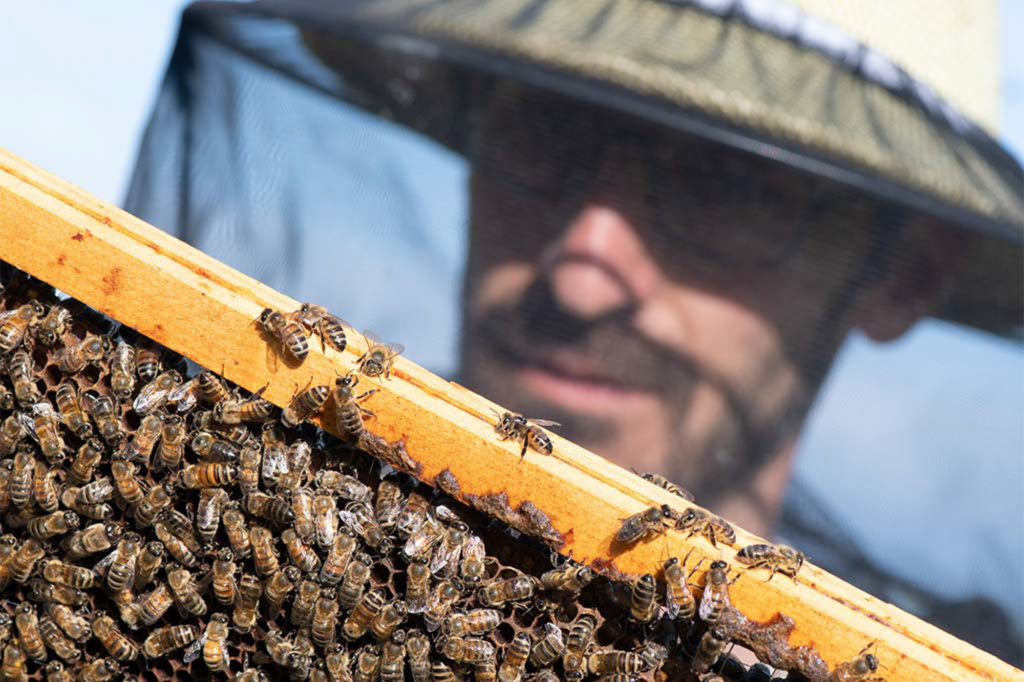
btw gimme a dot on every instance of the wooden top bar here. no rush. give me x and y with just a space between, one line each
204 310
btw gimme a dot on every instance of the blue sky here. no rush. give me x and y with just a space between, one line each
83 76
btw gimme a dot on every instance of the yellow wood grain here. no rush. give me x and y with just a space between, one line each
204 310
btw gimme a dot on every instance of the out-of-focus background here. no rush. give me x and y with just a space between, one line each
924 433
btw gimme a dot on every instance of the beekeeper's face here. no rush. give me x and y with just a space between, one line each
673 304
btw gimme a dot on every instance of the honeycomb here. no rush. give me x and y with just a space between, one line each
509 553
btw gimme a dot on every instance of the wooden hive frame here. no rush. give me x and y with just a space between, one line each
204 310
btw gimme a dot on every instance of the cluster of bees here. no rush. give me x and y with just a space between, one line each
151 519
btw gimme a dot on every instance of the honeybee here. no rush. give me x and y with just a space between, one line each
155 501
278 586
154 604
74 625
246 603
779 558
128 486
55 671
466 650
714 528
577 642
100 670
679 601
42 591
13 668
338 557
122 371
445 559
275 453
46 429
15 323
711 646
569 577
208 512
473 622
439 672
413 514
474 560
150 559
103 412
304 404
186 594
53 325
27 623
367 664
177 547
423 540
330 328
716 592
172 443
643 524
147 361
184 397
277 510
19 483
517 589
237 532
119 565
210 448
392 659
325 520
164 640
23 562
858 669
155 393
212 645
71 410
357 574
348 412
513 426
252 409
11 434
8 544
359 517
56 571
264 556
549 647
90 350
417 647
518 651
379 357
208 475
440 603
387 621
366 610
100 490
300 554
57 642
305 600
643 606
44 489
325 618
611 662
83 467
144 440
117 645
20 369
289 333
95 538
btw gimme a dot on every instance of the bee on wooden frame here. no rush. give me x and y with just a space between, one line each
516 427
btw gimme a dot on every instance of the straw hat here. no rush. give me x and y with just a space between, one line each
764 76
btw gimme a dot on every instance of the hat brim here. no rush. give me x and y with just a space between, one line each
425 64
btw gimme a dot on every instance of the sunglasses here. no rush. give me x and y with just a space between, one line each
700 198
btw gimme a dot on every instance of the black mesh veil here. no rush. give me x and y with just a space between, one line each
263 154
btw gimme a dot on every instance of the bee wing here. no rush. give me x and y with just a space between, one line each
370 337
27 424
150 398
185 395
46 409
446 514
103 564
671 605
195 648
544 422
445 555
395 348
7 314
